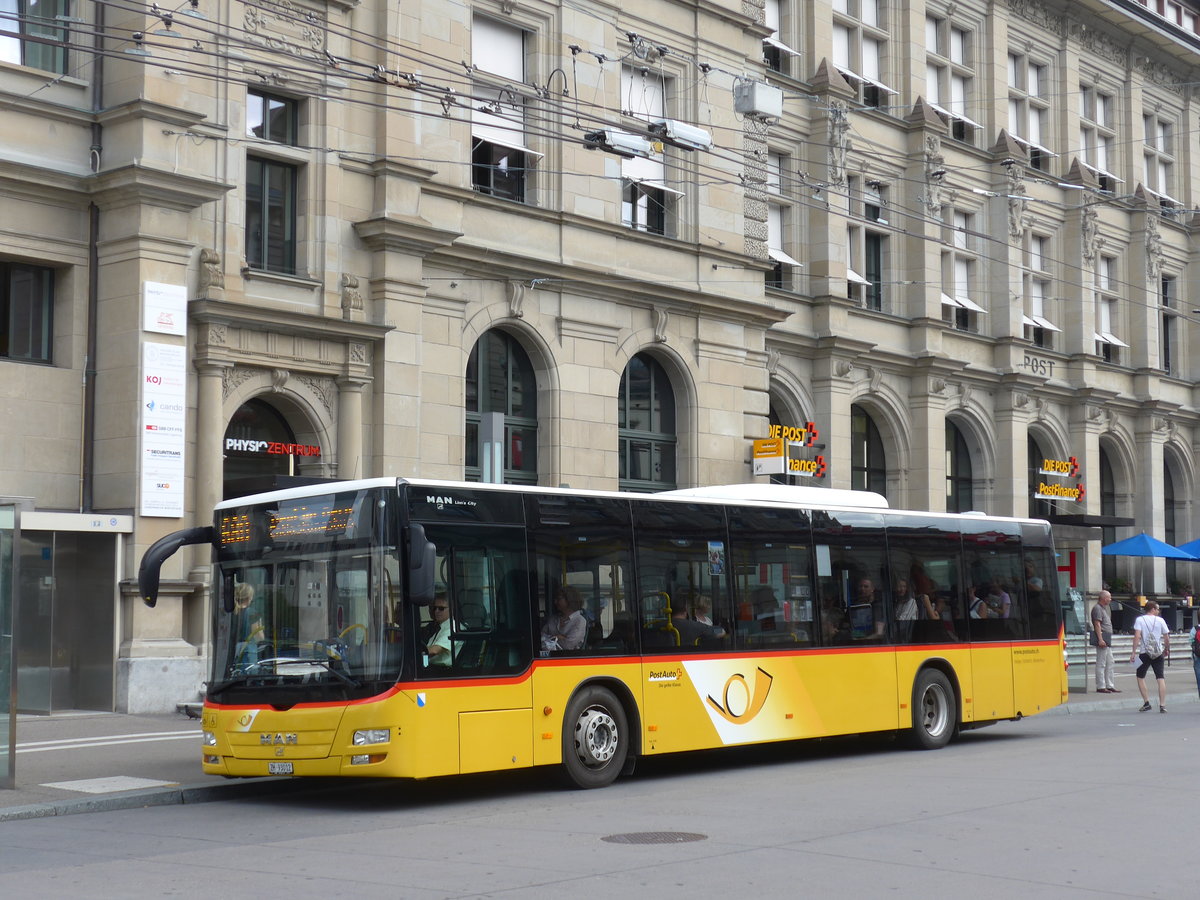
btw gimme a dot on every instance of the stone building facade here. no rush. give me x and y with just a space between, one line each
358 239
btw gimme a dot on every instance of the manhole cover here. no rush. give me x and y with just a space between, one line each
655 837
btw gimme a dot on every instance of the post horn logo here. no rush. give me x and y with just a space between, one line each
758 697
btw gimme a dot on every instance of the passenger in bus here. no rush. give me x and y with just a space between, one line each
766 610
247 623
691 632
866 611
909 608
991 602
702 609
566 629
437 645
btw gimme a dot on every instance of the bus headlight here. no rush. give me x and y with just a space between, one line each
210 739
372 736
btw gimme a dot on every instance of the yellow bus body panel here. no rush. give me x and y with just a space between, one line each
675 703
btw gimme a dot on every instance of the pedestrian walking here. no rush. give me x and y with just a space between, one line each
1153 638
1101 639
1196 653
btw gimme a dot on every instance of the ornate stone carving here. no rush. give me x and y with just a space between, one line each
660 324
937 385
839 142
325 389
1154 251
1098 43
287 28
1037 14
773 360
352 300
211 284
1016 203
516 299
1092 241
842 368
235 378
1019 400
935 174
279 380
357 353
217 334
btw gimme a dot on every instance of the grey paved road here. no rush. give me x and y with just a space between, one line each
1099 803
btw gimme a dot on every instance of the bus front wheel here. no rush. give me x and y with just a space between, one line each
935 711
595 738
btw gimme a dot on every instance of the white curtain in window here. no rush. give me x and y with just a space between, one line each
498 50
870 60
958 46
841 47
933 88
931 36
645 97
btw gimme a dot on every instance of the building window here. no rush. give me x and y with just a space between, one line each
500 159
960 481
1038 509
1028 108
1038 327
1172 508
1098 135
780 238
1108 345
1159 158
271 185
1108 507
859 48
1168 336
949 76
866 256
959 308
26 312
776 53
647 200
500 379
270 215
646 427
21 20
868 464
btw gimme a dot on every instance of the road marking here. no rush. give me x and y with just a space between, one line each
108 785
106 741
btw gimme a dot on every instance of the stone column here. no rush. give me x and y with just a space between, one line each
210 432
350 427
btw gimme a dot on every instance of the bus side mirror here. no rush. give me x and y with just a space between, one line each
150 570
422 560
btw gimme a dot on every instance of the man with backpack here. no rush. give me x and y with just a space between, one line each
1151 635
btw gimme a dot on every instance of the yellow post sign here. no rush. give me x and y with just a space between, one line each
769 456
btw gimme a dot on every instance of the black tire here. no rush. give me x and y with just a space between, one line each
595 738
935 711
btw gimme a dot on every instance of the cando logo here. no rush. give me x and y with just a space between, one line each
755 697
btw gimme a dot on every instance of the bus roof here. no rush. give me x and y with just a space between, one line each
754 494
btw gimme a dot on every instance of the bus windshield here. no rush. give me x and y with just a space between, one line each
308 603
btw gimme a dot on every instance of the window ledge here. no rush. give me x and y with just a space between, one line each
281 278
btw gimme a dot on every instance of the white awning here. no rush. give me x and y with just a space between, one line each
855 278
780 45
1104 172
953 115
1026 143
947 300
780 256
1107 337
968 303
646 183
1039 322
851 74
511 143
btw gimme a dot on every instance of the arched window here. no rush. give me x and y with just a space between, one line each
255 439
960 481
500 380
1108 507
1169 530
1038 509
646 427
868 464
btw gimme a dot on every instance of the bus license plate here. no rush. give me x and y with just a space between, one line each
279 768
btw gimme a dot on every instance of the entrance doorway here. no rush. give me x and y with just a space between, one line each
261 448
66 614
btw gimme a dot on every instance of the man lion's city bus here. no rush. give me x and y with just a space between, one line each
415 629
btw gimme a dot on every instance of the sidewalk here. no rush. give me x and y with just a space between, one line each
89 761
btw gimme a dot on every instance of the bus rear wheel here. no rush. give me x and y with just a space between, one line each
595 738
935 711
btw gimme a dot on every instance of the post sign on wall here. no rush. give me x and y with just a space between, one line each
163 414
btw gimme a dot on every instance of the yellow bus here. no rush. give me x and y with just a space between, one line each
415 628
